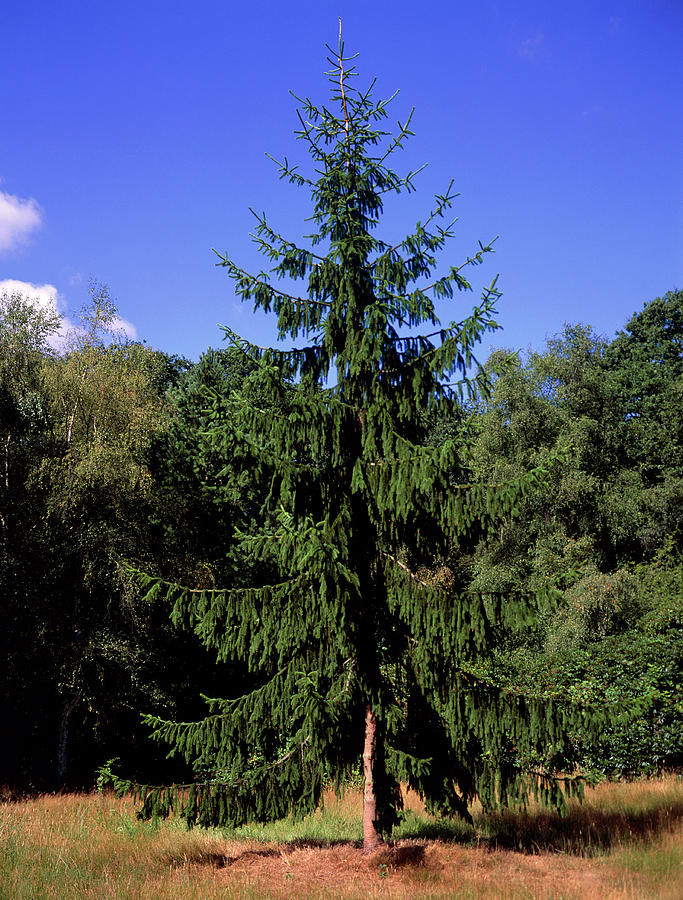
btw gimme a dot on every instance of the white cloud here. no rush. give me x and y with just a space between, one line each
126 327
18 219
46 296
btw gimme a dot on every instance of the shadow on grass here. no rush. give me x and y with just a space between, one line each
450 831
391 854
584 832
222 861
209 857
399 855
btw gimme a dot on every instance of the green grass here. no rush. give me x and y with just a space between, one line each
660 861
626 839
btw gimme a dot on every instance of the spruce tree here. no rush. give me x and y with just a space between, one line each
352 647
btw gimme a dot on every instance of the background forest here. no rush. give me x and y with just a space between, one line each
106 458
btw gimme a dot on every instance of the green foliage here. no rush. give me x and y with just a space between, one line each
24 431
647 358
596 606
636 673
338 619
199 499
603 522
81 651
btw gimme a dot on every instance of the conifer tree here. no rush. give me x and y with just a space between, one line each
351 646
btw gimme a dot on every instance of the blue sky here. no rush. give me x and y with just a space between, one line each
133 140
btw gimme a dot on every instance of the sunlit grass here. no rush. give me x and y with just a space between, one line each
625 841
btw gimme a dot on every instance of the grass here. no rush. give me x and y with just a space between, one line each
624 841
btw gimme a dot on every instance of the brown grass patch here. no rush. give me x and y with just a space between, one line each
435 870
625 841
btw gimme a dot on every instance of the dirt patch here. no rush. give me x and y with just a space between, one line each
411 869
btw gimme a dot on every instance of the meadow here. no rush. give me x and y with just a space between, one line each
624 841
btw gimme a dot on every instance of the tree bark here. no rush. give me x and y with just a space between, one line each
371 837
62 759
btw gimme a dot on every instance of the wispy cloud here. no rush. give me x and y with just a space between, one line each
18 220
75 279
533 47
122 325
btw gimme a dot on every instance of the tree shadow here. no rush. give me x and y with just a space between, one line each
392 855
225 860
449 831
398 855
208 856
583 832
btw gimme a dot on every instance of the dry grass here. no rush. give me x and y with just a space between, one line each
625 841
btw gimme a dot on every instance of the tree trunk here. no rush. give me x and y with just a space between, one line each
371 837
62 759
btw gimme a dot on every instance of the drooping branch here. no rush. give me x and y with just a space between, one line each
404 132
444 201
245 280
284 250
291 173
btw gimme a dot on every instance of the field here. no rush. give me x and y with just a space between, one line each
624 841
